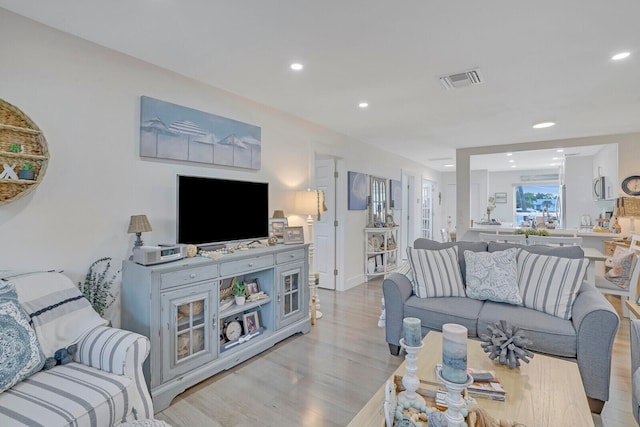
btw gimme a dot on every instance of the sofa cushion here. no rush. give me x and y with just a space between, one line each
573 252
59 312
548 334
462 246
435 312
405 270
71 394
20 354
493 276
436 272
624 260
550 283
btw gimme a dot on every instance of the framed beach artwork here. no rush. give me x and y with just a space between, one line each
358 191
170 131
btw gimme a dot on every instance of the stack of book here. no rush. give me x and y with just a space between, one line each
485 385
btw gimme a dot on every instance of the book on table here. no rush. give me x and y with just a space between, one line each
485 386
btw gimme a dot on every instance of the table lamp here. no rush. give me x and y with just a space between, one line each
138 224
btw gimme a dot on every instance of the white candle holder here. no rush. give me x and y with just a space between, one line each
454 399
410 381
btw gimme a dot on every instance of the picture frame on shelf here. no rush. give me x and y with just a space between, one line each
277 226
251 321
293 235
253 286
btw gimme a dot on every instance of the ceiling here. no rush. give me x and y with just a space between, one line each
539 61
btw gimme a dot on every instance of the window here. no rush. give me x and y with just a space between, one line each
536 200
427 211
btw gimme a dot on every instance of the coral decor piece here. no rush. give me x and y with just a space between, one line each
506 344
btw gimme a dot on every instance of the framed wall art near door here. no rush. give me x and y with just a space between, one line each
501 197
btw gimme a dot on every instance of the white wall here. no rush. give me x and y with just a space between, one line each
86 100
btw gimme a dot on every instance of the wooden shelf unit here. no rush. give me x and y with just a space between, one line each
17 128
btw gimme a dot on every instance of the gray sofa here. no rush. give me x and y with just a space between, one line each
586 338
635 368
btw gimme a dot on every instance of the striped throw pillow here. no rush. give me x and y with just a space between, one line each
548 283
436 272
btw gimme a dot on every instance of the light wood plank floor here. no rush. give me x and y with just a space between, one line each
324 377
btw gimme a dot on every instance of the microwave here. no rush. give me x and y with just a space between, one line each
601 188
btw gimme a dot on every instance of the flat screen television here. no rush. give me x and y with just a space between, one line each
212 211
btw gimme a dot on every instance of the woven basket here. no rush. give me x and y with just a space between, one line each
628 206
17 128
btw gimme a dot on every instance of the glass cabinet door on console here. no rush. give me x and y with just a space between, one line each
188 319
290 293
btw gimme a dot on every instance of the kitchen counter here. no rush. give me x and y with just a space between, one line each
590 238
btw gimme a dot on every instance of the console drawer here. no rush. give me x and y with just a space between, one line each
243 265
191 275
289 256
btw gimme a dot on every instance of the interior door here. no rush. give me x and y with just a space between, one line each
324 234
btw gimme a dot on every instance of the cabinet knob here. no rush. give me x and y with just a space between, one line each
192 275
250 264
291 256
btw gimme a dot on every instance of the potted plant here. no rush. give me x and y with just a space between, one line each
239 291
97 285
27 171
15 148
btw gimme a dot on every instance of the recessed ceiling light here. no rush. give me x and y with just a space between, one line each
513 166
448 166
555 158
621 55
543 125
296 66
559 150
509 154
363 104
511 161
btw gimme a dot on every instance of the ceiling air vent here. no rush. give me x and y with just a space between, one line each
458 80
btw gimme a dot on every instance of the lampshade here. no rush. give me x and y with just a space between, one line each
306 202
139 224
278 214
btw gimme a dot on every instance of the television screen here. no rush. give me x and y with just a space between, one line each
212 210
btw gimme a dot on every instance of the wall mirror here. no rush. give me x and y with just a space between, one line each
378 201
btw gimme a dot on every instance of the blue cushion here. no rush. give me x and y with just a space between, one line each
20 354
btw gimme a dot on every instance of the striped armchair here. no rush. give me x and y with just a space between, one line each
103 386
77 372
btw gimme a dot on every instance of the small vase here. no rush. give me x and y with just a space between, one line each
26 174
239 300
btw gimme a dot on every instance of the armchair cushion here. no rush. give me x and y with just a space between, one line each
59 313
20 354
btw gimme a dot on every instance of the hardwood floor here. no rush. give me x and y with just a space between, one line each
323 378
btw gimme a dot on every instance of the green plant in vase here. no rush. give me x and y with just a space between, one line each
97 285
15 148
26 172
239 291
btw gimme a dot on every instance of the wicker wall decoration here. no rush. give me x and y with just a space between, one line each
21 141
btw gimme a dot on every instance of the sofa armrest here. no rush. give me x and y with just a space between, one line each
596 323
113 350
396 289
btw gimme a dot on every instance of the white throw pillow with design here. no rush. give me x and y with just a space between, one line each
493 276
548 283
436 272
